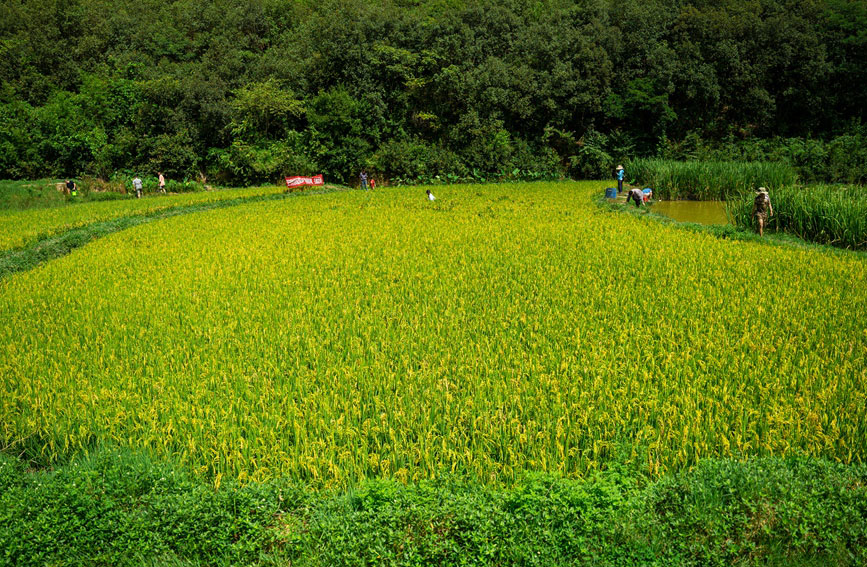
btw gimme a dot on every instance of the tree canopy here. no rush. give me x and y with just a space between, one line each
249 91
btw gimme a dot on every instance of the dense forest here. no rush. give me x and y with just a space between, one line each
244 92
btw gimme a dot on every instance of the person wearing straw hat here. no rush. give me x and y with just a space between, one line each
761 208
620 172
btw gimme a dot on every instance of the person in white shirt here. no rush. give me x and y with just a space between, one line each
136 183
430 196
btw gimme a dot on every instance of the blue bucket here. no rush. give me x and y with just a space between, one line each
611 193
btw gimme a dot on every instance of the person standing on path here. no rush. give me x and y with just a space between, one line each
162 182
761 208
136 183
620 173
363 179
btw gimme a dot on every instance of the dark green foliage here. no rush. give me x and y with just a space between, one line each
249 92
121 508
842 159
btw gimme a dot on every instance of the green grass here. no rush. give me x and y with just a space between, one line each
40 193
43 193
706 181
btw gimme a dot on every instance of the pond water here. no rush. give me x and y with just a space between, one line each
703 212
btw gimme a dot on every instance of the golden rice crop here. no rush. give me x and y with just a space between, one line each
20 227
497 330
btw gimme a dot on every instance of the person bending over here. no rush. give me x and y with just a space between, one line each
635 195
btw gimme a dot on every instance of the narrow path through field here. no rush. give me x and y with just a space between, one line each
57 245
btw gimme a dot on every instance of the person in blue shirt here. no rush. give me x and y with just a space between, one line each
620 172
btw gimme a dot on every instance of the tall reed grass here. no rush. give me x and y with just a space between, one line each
827 214
707 180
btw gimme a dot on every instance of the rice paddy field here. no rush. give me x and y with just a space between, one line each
499 330
21 227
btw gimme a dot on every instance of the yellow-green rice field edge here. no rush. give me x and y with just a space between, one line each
21 227
498 330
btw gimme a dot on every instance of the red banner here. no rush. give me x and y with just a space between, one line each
299 181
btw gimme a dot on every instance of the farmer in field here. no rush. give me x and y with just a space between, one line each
762 208
430 196
620 173
162 182
635 195
70 187
136 183
363 179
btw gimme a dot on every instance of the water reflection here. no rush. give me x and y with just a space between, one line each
703 212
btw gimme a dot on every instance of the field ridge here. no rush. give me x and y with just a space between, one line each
59 244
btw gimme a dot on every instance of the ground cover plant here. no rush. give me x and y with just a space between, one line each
123 508
20 227
828 214
496 331
707 180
